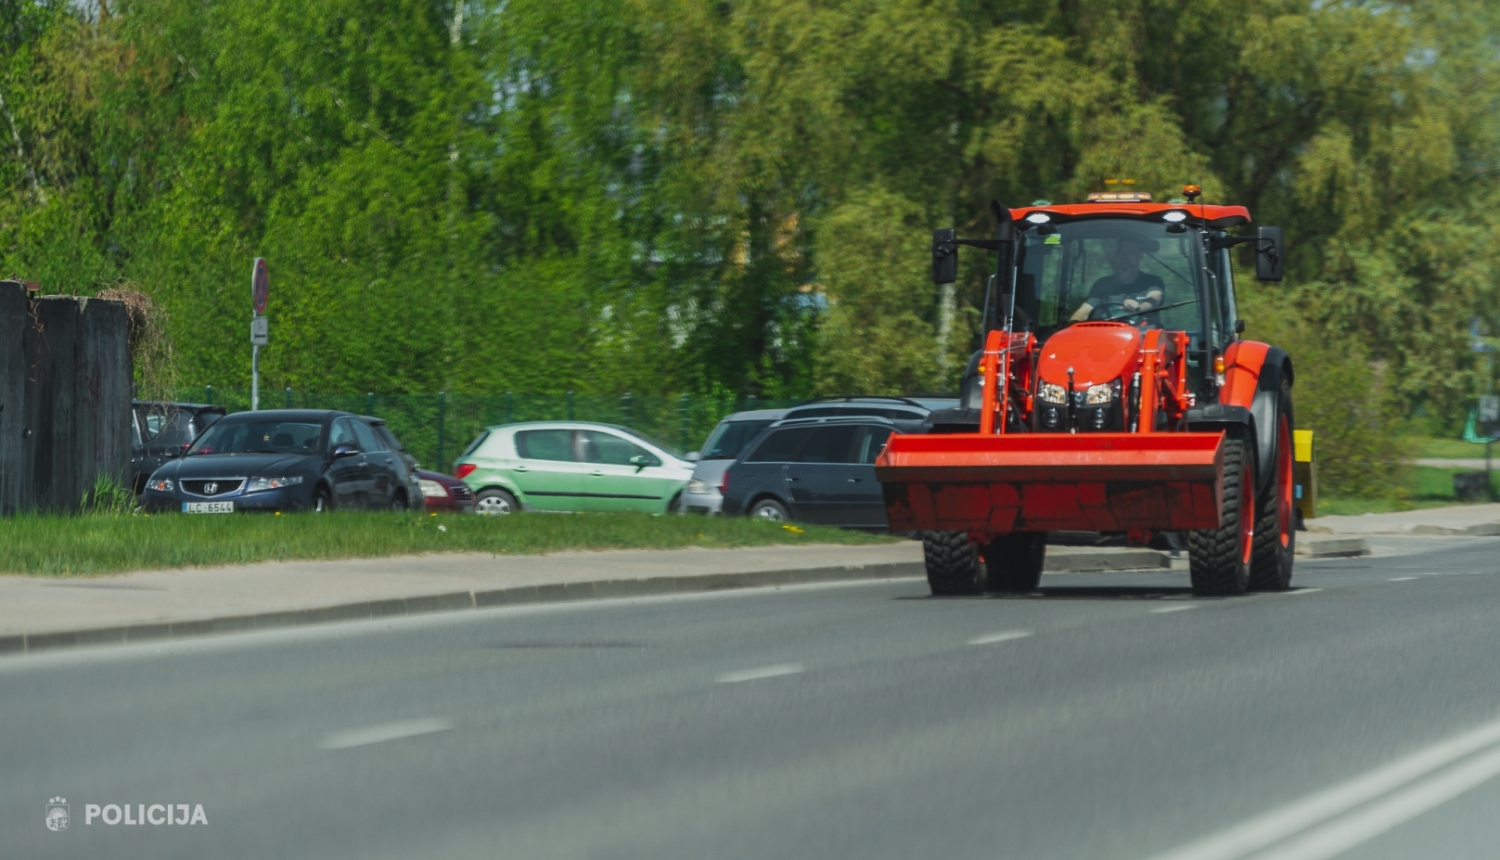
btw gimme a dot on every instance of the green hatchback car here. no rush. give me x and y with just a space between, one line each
571 466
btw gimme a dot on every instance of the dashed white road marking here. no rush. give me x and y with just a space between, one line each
1321 821
763 672
1162 610
1007 636
1300 591
1403 578
383 733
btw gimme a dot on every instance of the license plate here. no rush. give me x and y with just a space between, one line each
208 507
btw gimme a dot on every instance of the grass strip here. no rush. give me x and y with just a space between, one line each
87 545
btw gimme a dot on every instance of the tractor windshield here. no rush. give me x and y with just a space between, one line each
1110 268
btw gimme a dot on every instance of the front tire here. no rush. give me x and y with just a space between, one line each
495 503
1014 561
1219 559
953 566
322 501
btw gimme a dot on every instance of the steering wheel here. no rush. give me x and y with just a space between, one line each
1109 309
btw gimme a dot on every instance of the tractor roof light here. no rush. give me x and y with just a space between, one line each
1192 192
1038 218
1120 197
1176 216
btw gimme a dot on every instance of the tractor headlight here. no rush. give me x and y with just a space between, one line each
1050 393
1099 394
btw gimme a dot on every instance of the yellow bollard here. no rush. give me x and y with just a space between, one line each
1305 473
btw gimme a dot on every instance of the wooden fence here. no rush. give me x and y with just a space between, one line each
65 382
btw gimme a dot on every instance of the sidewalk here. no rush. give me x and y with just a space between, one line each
1481 520
41 612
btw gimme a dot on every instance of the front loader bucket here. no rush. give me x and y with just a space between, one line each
1032 482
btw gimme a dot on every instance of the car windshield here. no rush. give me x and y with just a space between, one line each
259 437
729 439
1104 262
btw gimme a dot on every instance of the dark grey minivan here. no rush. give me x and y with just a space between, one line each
814 470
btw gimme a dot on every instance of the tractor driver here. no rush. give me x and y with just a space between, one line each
1135 291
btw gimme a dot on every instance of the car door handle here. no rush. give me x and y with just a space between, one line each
520 469
597 474
855 480
793 478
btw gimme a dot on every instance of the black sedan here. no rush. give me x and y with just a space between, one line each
282 460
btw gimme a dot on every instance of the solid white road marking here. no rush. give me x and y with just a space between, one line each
1007 636
380 734
1243 839
1403 578
1300 591
1165 609
763 672
1338 836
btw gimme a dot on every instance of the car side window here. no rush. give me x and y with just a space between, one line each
833 444
368 441
871 442
343 434
544 445
781 446
612 450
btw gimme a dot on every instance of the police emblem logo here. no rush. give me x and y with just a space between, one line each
211 487
57 814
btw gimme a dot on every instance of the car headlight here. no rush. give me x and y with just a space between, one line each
1051 393
1099 394
700 487
272 483
161 485
433 490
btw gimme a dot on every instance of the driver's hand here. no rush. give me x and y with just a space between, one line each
1131 305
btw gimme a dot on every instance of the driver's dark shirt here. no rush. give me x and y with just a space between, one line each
1110 285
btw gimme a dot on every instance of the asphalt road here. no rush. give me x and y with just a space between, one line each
1113 717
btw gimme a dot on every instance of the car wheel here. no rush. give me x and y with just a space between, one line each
675 506
495 503
321 501
769 510
398 504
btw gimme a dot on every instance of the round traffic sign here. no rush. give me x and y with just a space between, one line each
260 285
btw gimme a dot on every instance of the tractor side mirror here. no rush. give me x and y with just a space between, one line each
944 256
1269 254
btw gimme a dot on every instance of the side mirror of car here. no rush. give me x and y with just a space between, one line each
1269 254
175 452
344 449
640 461
693 457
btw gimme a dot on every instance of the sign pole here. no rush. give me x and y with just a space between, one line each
260 291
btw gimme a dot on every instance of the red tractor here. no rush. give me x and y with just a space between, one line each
1114 394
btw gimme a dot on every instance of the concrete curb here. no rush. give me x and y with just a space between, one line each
1333 548
1115 559
452 601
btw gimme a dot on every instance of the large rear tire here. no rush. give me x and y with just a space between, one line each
1276 521
1014 561
953 566
1219 559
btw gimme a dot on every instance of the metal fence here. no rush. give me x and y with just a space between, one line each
435 428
